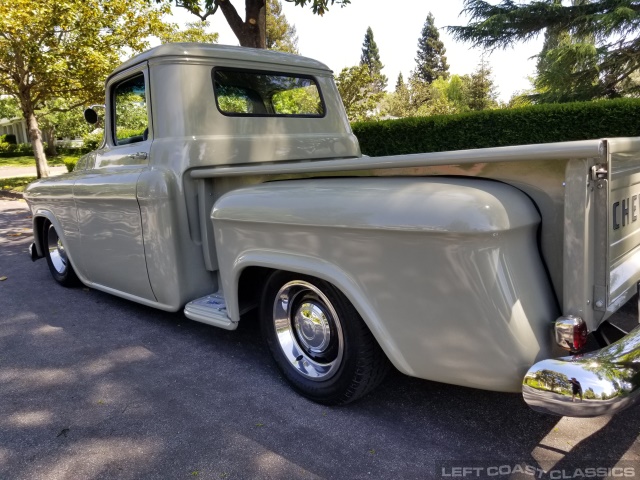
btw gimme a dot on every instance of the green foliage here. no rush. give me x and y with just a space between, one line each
359 93
560 70
502 127
298 101
371 58
431 60
92 141
611 26
192 32
12 150
481 90
9 108
9 138
70 163
280 34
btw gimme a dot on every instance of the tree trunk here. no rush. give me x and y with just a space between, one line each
252 32
50 138
35 136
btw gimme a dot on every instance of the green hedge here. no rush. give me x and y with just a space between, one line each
498 128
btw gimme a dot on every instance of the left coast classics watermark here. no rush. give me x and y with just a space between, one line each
516 470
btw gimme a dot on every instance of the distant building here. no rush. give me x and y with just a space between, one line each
16 126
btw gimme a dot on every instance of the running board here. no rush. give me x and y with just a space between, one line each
211 310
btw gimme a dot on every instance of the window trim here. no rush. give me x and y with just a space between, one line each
267 72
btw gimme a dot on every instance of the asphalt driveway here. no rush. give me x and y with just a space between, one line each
93 386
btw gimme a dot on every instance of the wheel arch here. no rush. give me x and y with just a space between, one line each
258 264
40 216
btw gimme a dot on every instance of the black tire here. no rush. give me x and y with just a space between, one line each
57 259
331 368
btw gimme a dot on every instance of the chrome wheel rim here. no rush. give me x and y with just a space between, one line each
308 330
57 253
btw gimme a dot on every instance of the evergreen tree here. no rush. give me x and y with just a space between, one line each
431 61
562 64
400 85
371 57
280 34
613 24
481 90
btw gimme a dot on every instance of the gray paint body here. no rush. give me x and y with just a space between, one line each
446 271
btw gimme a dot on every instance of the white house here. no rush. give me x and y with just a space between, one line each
16 126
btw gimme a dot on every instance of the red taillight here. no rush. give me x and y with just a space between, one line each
571 333
579 336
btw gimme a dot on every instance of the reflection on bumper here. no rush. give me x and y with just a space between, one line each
597 383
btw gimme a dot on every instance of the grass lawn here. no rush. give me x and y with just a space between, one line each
15 184
28 160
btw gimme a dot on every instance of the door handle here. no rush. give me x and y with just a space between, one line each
138 156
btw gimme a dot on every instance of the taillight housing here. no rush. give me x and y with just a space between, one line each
571 333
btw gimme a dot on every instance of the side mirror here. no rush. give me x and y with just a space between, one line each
91 116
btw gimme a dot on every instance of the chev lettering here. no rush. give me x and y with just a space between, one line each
621 211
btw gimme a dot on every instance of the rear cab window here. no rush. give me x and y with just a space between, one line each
253 93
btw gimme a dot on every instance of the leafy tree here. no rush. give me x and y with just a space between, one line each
431 60
371 58
59 119
51 49
280 34
359 93
193 32
482 90
251 32
9 107
612 24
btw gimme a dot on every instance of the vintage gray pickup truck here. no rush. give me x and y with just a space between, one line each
247 190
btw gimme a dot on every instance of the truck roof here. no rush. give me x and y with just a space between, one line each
207 50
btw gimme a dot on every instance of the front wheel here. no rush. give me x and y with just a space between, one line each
319 341
57 258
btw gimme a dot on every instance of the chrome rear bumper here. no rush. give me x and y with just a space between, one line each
596 383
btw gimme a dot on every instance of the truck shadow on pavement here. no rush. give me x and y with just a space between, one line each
93 386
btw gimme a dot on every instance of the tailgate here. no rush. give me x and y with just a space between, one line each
617 247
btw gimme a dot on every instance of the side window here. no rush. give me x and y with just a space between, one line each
130 111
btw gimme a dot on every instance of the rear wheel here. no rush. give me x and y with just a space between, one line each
319 341
57 257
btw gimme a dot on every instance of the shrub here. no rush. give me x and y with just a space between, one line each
92 141
70 163
9 138
498 128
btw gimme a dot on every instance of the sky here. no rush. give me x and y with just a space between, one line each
336 38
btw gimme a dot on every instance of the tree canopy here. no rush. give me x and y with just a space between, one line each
358 92
250 31
280 34
612 26
431 60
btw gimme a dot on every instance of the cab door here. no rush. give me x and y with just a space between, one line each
109 217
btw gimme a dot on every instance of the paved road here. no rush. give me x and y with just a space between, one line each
93 386
11 172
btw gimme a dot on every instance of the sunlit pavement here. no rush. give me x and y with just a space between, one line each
13 172
93 386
